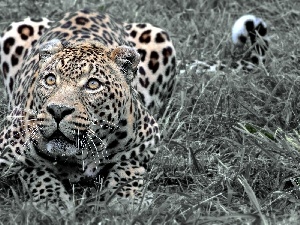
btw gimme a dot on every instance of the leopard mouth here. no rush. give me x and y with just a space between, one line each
59 145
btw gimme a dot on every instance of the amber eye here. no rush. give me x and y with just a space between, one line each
50 79
93 84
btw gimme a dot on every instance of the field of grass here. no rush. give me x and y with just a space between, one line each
232 141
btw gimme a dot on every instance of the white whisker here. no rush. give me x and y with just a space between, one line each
95 147
33 134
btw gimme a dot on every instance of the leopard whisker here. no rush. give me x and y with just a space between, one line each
33 133
82 149
94 147
95 135
103 144
102 123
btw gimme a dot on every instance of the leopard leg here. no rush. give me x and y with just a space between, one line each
157 69
124 187
46 191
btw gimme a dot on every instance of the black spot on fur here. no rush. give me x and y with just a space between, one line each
261 29
121 134
11 84
128 27
145 37
19 50
142 71
156 139
67 24
151 90
160 79
86 11
153 63
142 53
242 39
16 134
41 28
142 147
17 150
29 162
167 52
144 83
5 69
141 25
159 38
142 97
7 44
47 179
249 24
14 60
123 123
25 31
81 21
33 42
100 17
250 28
113 144
28 169
107 37
40 173
36 19
133 154
133 33
154 55
255 60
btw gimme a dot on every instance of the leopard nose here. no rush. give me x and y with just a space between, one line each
59 111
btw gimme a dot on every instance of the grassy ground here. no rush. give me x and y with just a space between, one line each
233 143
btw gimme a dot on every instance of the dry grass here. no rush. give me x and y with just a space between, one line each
232 142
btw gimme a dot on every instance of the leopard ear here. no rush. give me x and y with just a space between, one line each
49 48
127 59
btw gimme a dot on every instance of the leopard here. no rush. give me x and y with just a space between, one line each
82 97
250 45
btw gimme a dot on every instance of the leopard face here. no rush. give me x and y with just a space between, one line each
80 100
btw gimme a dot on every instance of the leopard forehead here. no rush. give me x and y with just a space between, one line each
78 53
79 59
73 66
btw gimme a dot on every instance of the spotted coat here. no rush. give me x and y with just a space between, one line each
82 96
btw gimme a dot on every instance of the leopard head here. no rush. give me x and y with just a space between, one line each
81 94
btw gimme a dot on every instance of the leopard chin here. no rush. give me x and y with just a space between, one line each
60 147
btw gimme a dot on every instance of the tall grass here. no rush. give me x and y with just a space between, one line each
231 141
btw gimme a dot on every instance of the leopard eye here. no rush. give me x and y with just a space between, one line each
93 84
50 79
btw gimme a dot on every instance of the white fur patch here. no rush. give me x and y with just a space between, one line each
239 27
